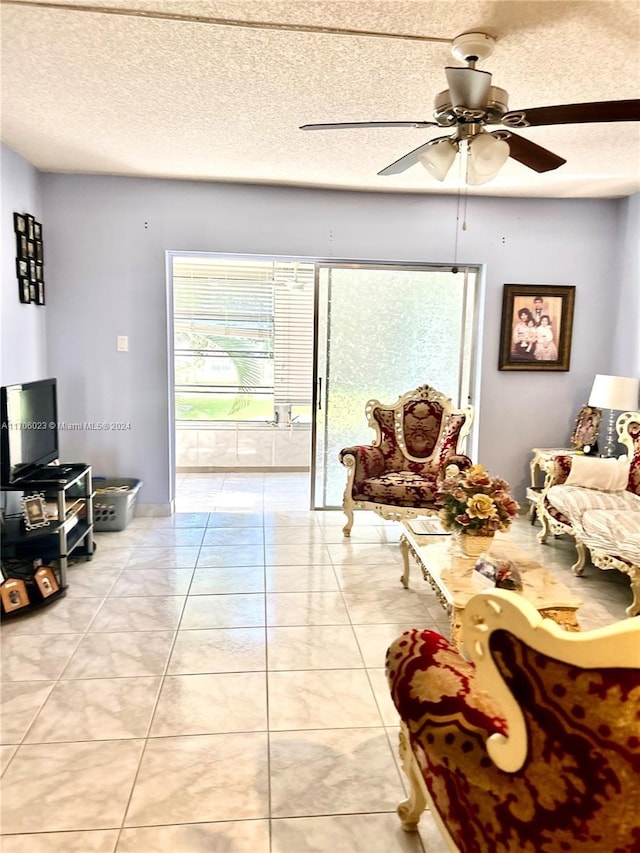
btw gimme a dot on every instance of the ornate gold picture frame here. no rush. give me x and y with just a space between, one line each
537 323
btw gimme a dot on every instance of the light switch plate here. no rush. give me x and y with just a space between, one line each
123 343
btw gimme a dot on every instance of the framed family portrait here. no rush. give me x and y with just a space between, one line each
537 322
585 432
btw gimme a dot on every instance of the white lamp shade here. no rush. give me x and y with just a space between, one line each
487 155
619 393
438 157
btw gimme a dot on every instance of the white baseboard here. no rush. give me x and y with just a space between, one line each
154 510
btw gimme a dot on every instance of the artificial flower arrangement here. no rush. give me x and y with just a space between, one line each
473 502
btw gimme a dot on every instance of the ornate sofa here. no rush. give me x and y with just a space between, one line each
534 744
416 439
605 523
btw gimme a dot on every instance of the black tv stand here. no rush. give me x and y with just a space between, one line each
68 493
48 474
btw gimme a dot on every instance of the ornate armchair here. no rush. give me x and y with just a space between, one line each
416 439
532 745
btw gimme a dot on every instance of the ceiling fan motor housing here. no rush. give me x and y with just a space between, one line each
447 115
497 104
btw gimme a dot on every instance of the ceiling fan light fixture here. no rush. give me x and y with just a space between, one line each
487 155
439 157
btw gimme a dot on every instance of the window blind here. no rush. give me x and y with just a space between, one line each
263 299
293 344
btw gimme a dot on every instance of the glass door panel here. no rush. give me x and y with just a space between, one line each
382 331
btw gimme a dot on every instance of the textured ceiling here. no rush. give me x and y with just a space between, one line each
126 94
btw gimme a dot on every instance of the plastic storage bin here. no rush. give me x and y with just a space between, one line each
114 503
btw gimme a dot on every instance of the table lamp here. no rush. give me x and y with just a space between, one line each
616 393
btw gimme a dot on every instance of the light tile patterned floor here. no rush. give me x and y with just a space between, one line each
214 681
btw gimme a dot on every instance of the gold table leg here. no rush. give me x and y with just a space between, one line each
455 615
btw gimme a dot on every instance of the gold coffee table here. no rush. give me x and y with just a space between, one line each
455 582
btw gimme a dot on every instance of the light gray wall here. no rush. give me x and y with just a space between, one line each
625 290
23 332
105 241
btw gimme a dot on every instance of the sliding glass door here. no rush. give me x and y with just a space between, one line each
382 330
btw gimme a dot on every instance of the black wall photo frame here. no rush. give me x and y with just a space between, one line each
29 258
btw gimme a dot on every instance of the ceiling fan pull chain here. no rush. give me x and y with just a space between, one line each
454 269
464 214
464 163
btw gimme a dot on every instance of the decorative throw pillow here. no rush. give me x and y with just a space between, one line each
606 475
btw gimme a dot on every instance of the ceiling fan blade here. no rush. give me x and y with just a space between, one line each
406 161
468 87
356 124
529 154
575 113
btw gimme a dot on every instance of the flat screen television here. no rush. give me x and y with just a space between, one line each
28 428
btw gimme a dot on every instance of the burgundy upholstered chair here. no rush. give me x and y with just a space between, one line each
533 744
416 439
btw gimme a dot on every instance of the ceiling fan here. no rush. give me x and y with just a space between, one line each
470 105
